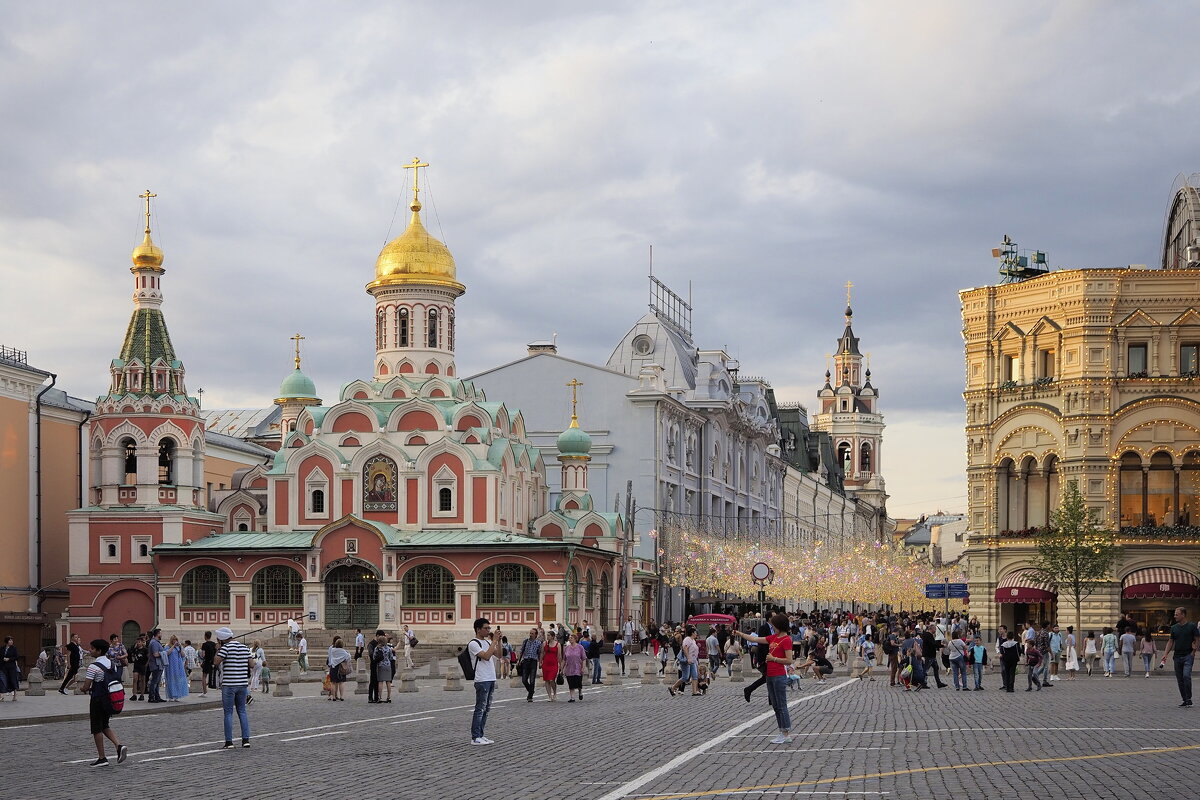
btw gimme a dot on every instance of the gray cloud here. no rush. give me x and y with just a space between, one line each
769 154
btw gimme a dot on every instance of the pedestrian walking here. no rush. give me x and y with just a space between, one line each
208 655
1108 644
1128 643
339 667
256 672
384 660
1033 667
410 641
778 657
191 660
1041 640
176 674
866 648
1056 645
139 656
592 647
733 651
929 651
359 642
527 665
10 669
372 682
118 655
1148 652
551 656
977 657
689 663
484 648
957 652
73 653
619 655
712 648
1090 652
302 650
574 655
157 666
293 632
100 710
233 660
1010 656
1072 654
1182 649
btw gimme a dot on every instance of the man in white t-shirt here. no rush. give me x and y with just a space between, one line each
484 648
628 629
293 629
302 649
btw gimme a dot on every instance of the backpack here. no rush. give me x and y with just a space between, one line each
468 661
110 687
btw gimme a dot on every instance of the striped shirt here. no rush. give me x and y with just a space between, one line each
235 664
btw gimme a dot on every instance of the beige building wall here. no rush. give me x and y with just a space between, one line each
61 482
16 492
1067 375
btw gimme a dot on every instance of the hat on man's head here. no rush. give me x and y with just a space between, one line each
224 634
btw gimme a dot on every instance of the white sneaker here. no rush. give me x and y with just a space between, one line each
781 739
486 740
479 741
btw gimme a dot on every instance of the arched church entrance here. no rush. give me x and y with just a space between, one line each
351 595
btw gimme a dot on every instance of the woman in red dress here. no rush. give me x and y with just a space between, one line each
550 666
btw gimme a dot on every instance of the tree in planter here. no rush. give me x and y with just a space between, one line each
1075 556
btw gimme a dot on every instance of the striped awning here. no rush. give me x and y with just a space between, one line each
1160 582
1023 586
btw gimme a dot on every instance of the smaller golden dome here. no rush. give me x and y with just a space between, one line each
415 256
147 255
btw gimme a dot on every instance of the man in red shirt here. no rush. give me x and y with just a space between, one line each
779 655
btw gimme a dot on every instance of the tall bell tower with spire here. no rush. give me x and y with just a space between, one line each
850 414
415 288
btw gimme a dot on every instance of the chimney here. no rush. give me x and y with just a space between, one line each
536 348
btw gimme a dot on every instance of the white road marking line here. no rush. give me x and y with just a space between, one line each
315 735
14 727
963 730
627 788
181 755
785 750
398 722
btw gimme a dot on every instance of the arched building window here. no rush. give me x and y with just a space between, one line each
278 585
605 595
864 459
572 588
1154 494
433 327
166 461
508 585
380 329
205 586
428 585
318 501
450 330
129 447
845 458
589 591
445 499
402 328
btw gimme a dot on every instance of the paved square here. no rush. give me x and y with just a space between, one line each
1094 738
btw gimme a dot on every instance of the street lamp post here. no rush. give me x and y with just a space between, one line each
762 574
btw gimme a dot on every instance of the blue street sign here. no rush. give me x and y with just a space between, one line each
941 591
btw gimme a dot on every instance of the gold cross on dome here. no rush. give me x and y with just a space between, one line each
415 166
849 286
297 339
575 383
146 196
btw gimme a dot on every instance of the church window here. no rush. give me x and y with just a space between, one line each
844 457
110 549
508 585
141 549
1137 359
1189 359
278 585
433 327
205 586
445 499
130 448
845 405
243 527
572 588
450 331
380 330
318 502
428 585
589 591
166 461
864 458
402 328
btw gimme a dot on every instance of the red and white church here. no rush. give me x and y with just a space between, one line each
411 499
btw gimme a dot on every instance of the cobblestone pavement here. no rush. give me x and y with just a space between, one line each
1095 738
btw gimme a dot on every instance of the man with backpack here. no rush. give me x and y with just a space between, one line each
478 664
100 673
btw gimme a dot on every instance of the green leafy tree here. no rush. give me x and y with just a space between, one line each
1075 556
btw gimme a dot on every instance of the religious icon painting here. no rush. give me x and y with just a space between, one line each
379 484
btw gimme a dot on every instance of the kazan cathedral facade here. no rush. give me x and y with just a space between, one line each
410 499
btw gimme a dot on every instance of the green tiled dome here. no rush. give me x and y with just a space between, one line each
574 441
298 386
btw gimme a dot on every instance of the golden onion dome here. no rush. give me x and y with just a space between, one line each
416 256
147 255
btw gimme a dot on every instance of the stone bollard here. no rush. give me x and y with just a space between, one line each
650 675
514 681
635 671
33 684
283 684
435 669
611 678
671 673
738 676
453 683
294 671
408 683
362 682
196 683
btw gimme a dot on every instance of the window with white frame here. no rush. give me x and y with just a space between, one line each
316 492
445 494
110 549
140 548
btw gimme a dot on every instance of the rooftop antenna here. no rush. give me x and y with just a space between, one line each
1015 267
651 261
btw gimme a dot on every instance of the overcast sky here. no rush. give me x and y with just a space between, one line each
769 152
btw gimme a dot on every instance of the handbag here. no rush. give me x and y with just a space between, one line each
560 680
945 661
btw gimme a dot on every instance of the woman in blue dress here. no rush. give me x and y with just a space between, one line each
177 680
